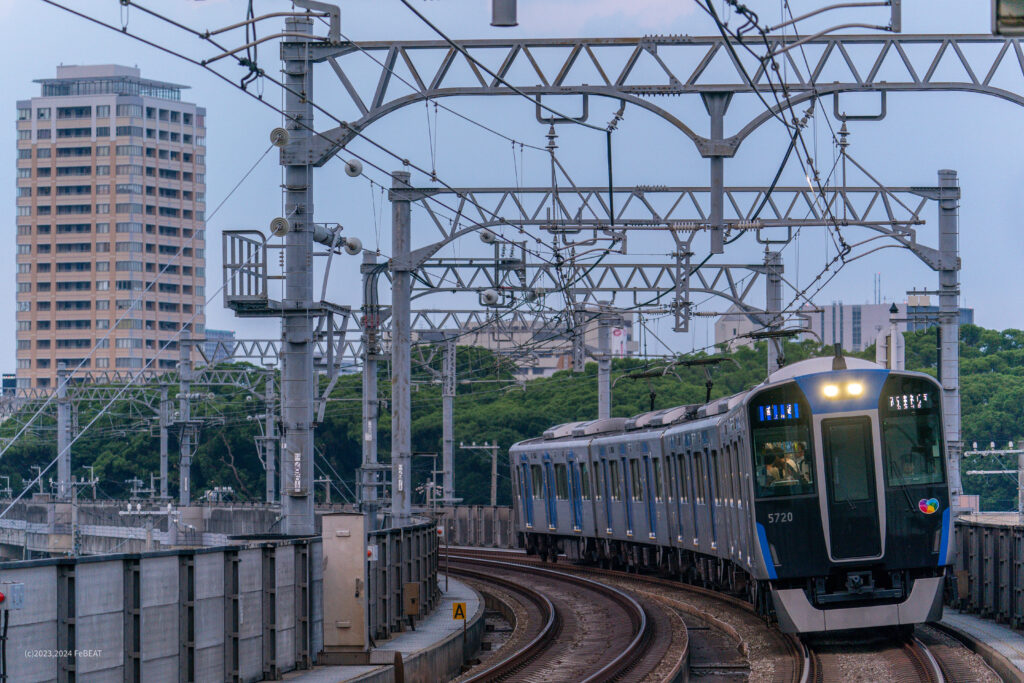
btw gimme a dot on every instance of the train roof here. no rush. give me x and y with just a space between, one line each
812 366
674 415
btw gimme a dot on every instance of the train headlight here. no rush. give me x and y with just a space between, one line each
830 390
855 388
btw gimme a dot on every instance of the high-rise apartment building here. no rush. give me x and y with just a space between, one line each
110 222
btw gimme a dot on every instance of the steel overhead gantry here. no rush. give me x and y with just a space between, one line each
675 65
149 396
633 70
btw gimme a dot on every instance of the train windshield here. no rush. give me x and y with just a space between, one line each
780 433
911 420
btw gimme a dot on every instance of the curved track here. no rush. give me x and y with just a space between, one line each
928 656
713 647
591 632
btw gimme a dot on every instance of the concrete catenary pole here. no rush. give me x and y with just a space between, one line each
270 437
297 324
949 324
448 420
63 434
165 420
1020 486
494 474
401 340
604 364
185 419
371 404
773 308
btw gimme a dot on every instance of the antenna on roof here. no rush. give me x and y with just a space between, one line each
838 362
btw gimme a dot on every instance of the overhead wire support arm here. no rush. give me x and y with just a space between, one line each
258 19
895 4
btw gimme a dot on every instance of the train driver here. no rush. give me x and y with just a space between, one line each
781 469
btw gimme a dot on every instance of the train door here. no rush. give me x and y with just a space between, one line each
575 493
852 496
696 486
652 514
525 495
627 490
712 484
682 495
549 490
603 464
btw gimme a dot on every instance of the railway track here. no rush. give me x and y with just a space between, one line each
577 629
710 646
873 657
930 655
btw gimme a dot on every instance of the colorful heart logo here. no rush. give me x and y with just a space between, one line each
928 506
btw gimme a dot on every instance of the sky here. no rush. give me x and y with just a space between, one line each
974 134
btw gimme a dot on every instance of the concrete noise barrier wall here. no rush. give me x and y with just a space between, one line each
245 612
482 526
989 569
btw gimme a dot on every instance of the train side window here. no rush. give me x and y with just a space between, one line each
561 482
684 478
698 477
729 498
585 480
615 479
656 466
635 480
538 481
715 476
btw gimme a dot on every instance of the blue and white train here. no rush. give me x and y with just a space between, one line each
820 495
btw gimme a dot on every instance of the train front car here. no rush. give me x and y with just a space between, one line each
851 501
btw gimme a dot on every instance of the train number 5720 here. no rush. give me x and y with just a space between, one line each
780 517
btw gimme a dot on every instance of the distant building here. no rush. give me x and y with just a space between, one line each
111 182
854 326
549 348
219 345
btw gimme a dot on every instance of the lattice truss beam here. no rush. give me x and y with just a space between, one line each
889 210
381 77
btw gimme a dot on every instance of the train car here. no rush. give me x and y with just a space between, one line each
819 495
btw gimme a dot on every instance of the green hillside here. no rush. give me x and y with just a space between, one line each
490 406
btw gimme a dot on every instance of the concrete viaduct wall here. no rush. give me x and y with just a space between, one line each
203 614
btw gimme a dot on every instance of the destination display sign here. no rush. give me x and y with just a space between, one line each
778 411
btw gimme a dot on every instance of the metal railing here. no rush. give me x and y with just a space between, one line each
405 555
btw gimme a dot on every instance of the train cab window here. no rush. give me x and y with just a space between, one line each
561 481
911 423
614 479
656 467
781 443
585 480
537 475
635 479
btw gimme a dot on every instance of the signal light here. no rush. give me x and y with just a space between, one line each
830 390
